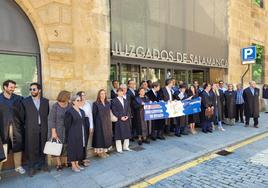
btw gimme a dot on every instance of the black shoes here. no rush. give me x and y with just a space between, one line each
31 172
161 138
146 141
256 126
140 142
178 135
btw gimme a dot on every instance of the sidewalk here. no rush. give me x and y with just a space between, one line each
120 170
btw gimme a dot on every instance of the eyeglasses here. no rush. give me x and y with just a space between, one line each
33 89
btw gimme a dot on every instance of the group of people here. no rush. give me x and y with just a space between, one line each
27 123
219 105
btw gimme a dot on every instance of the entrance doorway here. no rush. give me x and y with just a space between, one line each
124 71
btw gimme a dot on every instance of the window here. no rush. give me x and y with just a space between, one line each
22 69
259 3
257 68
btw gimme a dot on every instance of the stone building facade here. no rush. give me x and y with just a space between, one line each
248 24
74 43
74 40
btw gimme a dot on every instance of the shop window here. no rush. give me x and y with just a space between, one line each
257 68
258 3
22 69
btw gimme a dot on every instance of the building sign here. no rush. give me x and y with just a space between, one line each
248 55
140 52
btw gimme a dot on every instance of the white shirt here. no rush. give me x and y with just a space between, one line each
169 93
37 105
88 113
132 90
154 92
121 99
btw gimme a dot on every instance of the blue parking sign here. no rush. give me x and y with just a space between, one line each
249 53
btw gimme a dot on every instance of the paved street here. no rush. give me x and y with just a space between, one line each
246 167
121 170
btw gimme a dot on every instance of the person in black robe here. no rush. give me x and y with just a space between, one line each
131 94
167 95
12 128
180 126
75 124
217 97
142 127
102 135
115 84
35 115
251 97
230 105
2 152
193 119
206 105
121 110
157 125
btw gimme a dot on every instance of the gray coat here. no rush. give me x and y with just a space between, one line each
56 120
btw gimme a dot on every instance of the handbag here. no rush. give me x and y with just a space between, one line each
209 112
113 117
3 157
53 147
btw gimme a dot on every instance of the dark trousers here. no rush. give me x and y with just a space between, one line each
206 126
157 128
180 125
239 112
40 161
256 121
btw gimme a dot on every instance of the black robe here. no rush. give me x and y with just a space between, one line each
206 101
230 104
251 102
32 128
157 124
142 129
2 153
12 114
193 118
74 123
113 94
103 134
218 100
122 128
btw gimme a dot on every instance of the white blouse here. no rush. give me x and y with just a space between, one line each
88 113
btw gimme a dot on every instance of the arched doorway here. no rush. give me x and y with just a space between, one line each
19 48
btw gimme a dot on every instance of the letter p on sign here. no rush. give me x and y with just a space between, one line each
248 55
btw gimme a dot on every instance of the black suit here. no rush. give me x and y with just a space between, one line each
131 98
113 94
157 125
166 97
181 121
35 131
251 105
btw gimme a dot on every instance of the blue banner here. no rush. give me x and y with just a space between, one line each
164 110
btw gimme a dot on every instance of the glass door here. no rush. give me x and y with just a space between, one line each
181 75
156 75
129 72
20 68
200 76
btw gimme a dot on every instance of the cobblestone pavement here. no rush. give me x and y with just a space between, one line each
246 167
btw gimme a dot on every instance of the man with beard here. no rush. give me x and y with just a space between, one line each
35 113
11 128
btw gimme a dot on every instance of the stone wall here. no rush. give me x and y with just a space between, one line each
74 39
248 24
